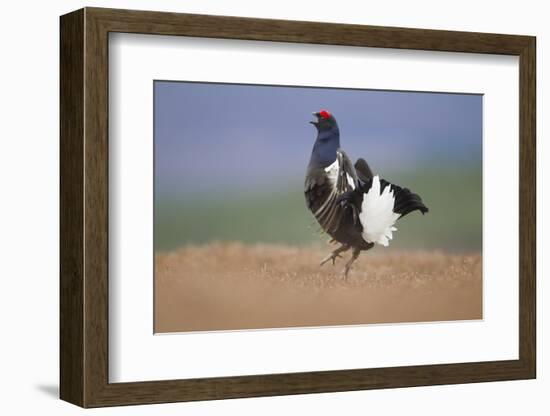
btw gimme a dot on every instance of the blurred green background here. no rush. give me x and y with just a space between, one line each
230 161
280 215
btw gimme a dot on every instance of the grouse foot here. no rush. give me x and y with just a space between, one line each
336 253
354 256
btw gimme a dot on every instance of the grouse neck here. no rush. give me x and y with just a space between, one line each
325 147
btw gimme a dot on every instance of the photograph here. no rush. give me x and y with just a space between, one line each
294 206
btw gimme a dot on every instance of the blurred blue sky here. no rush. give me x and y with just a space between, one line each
216 137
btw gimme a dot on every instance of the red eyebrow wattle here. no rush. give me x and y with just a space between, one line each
324 113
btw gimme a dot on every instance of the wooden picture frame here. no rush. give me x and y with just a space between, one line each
84 207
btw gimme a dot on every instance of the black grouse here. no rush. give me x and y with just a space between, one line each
356 208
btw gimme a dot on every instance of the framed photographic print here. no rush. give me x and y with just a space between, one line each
255 207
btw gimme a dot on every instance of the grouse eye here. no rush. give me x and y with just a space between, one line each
324 114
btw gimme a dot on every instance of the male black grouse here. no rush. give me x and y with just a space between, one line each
356 208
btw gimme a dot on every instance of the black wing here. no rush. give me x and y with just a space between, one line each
363 170
341 179
347 175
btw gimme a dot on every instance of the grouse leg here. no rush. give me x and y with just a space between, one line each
354 256
336 253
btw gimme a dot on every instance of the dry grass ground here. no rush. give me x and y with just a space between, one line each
235 286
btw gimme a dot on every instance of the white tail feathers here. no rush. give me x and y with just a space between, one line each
377 216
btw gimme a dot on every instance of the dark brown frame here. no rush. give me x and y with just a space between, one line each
84 212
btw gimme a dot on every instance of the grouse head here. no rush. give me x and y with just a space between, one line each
324 121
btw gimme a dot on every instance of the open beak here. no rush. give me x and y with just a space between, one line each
316 121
